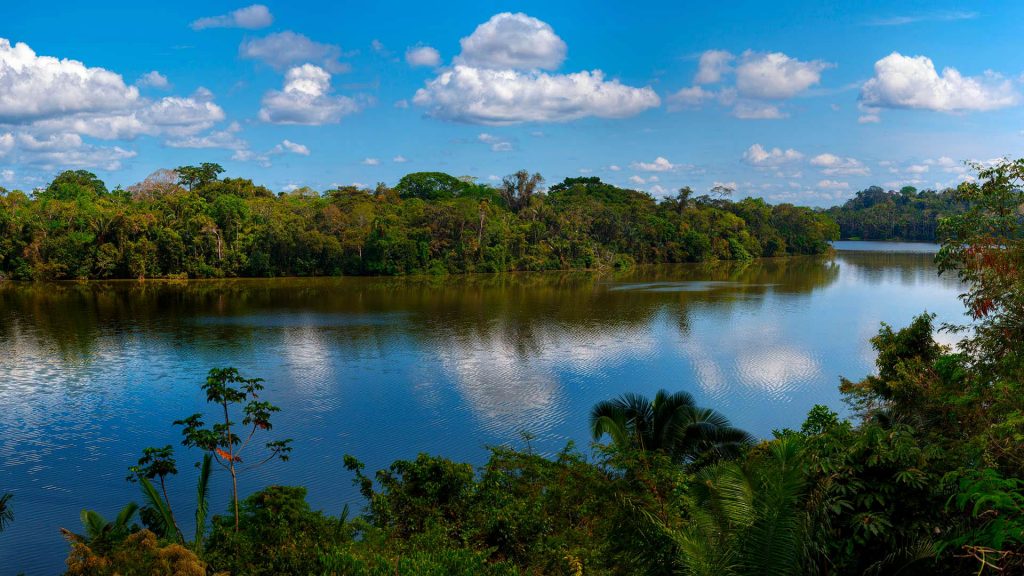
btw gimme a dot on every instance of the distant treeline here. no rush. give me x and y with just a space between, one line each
190 222
875 214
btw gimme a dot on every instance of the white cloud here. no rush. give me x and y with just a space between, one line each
423 56
940 16
757 155
660 164
370 161
513 41
226 139
284 49
615 168
399 159
497 80
306 99
760 78
34 87
6 144
713 65
264 159
775 75
500 97
912 82
691 97
748 110
833 185
7 175
833 165
869 114
251 18
496 143
916 169
153 79
60 151
294 147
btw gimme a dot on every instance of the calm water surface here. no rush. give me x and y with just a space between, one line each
386 368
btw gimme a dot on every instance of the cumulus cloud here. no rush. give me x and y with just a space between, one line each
757 155
496 143
775 75
153 79
499 97
498 79
912 82
306 99
294 147
251 18
370 161
423 56
660 164
227 139
399 159
513 41
692 97
263 159
833 185
6 144
760 81
713 65
284 49
34 87
747 110
59 151
832 165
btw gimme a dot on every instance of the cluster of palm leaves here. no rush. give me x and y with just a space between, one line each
100 533
672 424
745 516
6 513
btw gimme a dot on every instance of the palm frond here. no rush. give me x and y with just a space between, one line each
202 505
156 502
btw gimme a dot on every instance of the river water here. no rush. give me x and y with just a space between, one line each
384 368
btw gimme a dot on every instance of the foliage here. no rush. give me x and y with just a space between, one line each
191 222
227 389
671 423
6 511
909 214
926 477
139 554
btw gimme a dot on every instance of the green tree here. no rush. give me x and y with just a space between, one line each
194 177
228 390
158 463
671 424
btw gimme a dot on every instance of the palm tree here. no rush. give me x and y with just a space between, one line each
747 520
671 424
6 513
101 534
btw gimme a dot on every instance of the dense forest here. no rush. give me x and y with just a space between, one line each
909 215
924 479
192 223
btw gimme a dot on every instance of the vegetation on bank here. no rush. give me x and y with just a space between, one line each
908 215
926 478
192 223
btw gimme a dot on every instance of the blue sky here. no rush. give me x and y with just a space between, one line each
794 102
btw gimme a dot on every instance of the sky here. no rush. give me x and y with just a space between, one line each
791 101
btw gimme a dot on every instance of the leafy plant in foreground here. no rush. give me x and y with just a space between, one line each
227 389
